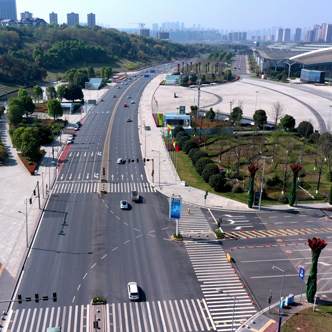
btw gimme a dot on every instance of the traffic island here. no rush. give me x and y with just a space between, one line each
177 237
219 235
98 314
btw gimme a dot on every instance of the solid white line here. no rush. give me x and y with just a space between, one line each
82 316
75 319
209 314
57 317
39 318
33 319
138 320
185 315
173 315
63 317
87 318
191 315
132 318
69 319
26 320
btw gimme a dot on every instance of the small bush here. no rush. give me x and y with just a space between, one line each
188 146
209 170
176 130
201 163
192 152
275 181
283 199
182 140
198 155
180 134
98 299
231 174
30 163
237 189
177 236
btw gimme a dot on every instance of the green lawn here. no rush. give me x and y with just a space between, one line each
307 320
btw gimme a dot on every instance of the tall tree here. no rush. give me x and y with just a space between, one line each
14 116
91 72
28 105
237 115
277 113
50 92
60 92
287 122
73 92
22 92
37 93
260 118
54 108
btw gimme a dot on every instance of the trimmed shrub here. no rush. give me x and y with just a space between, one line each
182 140
180 135
237 189
275 181
217 182
198 155
283 199
209 170
189 145
176 130
201 163
192 152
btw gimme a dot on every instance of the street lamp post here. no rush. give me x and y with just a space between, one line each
260 196
26 221
256 101
282 287
328 126
234 300
159 165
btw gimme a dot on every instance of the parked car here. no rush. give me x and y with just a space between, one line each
76 127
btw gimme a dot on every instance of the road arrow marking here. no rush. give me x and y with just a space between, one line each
99 153
96 175
79 175
70 176
87 176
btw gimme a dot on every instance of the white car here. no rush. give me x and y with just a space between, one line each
133 101
124 205
119 161
133 292
70 139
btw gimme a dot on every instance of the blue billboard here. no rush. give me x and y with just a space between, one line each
175 207
312 76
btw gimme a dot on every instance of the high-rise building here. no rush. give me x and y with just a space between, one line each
91 20
144 32
286 35
72 19
326 34
8 9
310 36
279 35
53 18
26 15
155 27
297 34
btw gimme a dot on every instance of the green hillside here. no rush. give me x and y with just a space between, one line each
28 54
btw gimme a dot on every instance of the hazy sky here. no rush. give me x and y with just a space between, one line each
220 14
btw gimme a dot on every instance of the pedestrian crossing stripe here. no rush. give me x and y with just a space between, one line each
194 222
171 315
127 187
93 187
72 318
274 232
75 187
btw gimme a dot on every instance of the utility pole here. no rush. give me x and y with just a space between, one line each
198 97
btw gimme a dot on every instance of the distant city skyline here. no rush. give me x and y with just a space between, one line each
240 15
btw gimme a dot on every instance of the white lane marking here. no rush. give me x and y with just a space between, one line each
73 300
115 248
151 235
126 242
79 286
118 217
104 256
93 265
85 275
139 236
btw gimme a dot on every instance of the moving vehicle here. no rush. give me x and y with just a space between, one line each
119 161
128 120
124 205
133 292
114 96
135 196
53 329
125 105
133 102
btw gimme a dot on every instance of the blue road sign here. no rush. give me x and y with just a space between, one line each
302 273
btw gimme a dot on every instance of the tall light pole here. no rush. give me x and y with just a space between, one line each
282 287
328 125
159 164
256 101
219 290
260 196
26 221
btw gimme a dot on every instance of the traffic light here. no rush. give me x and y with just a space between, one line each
137 160
34 192
28 299
19 297
36 297
144 159
54 297
128 161
30 200
219 221
206 192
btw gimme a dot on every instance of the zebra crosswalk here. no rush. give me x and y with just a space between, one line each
75 187
93 187
274 232
223 291
175 315
193 221
70 318
127 187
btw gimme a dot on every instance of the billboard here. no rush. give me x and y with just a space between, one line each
312 76
175 203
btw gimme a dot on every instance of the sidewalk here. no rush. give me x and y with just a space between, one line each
166 179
